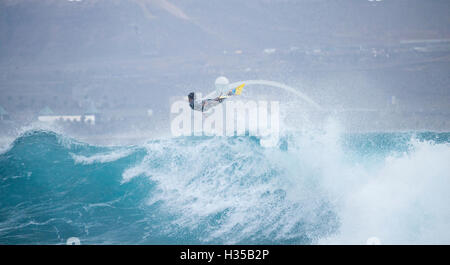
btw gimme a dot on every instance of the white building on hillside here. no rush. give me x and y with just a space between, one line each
47 115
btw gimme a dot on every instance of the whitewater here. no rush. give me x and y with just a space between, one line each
317 187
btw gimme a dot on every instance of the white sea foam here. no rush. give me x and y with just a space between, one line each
404 201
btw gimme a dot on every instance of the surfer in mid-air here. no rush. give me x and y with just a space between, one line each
206 104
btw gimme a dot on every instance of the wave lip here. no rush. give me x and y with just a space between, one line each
101 157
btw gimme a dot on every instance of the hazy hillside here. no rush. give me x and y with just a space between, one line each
63 30
59 30
129 56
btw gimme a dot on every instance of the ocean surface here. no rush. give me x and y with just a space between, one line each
312 188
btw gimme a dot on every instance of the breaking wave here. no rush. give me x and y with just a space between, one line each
312 188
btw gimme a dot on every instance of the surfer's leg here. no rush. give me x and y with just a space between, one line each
210 103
